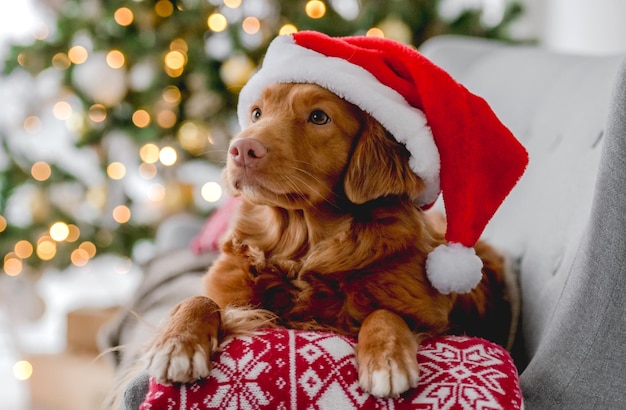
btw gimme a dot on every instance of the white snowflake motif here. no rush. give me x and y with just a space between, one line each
238 383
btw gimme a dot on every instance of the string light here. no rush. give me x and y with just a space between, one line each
211 191
156 192
77 54
79 257
62 110
59 231
41 171
23 249
166 119
148 171
149 153
375 32
97 113
22 370
168 156
121 214
46 248
61 61
217 22
141 118
12 264
89 248
74 233
123 16
115 59
251 25
116 170
233 4
164 8
32 124
287 29
315 9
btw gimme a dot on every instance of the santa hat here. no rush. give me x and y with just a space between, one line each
458 146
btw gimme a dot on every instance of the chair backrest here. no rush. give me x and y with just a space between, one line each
557 106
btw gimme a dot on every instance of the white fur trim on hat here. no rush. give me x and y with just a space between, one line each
454 268
288 62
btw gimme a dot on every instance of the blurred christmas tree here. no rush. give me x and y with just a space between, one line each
127 103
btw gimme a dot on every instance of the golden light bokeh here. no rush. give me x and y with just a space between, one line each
233 4
251 25
41 171
12 265
115 59
149 153
211 191
77 54
156 192
74 233
121 214
180 45
163 8
23 249
148 171
32 124
59 231
141 118
61 61
375 32
116 170
89 248
3 223
46 249
287 29
97 113
123 16
22 370
315 9
168 156
172 95
175 60
166 118
217 22
62 110
79 257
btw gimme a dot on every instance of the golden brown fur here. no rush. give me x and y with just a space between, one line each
328 237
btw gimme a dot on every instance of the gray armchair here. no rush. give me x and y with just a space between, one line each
564 224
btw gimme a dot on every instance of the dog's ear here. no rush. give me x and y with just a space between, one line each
379 166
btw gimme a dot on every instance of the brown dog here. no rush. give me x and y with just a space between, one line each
327 237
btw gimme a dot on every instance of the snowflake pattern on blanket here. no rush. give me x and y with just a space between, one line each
290 369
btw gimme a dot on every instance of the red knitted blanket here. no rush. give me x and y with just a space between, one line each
289 369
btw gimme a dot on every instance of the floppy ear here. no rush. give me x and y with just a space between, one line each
379 166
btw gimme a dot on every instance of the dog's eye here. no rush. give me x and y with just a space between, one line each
256 114
319 117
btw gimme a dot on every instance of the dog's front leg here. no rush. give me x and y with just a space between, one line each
387 355
181 350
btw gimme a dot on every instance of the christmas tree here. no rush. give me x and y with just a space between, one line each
127 107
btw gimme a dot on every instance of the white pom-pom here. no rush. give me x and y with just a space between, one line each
454 268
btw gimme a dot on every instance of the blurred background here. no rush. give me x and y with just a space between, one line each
115 117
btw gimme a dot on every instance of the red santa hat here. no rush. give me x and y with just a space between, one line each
457 144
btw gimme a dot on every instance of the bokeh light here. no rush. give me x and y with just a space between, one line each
59 231
116 170
123 16
22 370
217 22
287 29
149 153
115 59
315 9
211 191
168 156
77 54
141 118
41 171
121 214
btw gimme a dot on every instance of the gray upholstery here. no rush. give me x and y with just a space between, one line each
565 223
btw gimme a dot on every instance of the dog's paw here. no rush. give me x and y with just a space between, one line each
386 354
388 374
179 359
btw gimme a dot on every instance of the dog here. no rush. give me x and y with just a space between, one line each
328 237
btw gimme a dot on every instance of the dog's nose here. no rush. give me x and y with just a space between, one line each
247 152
